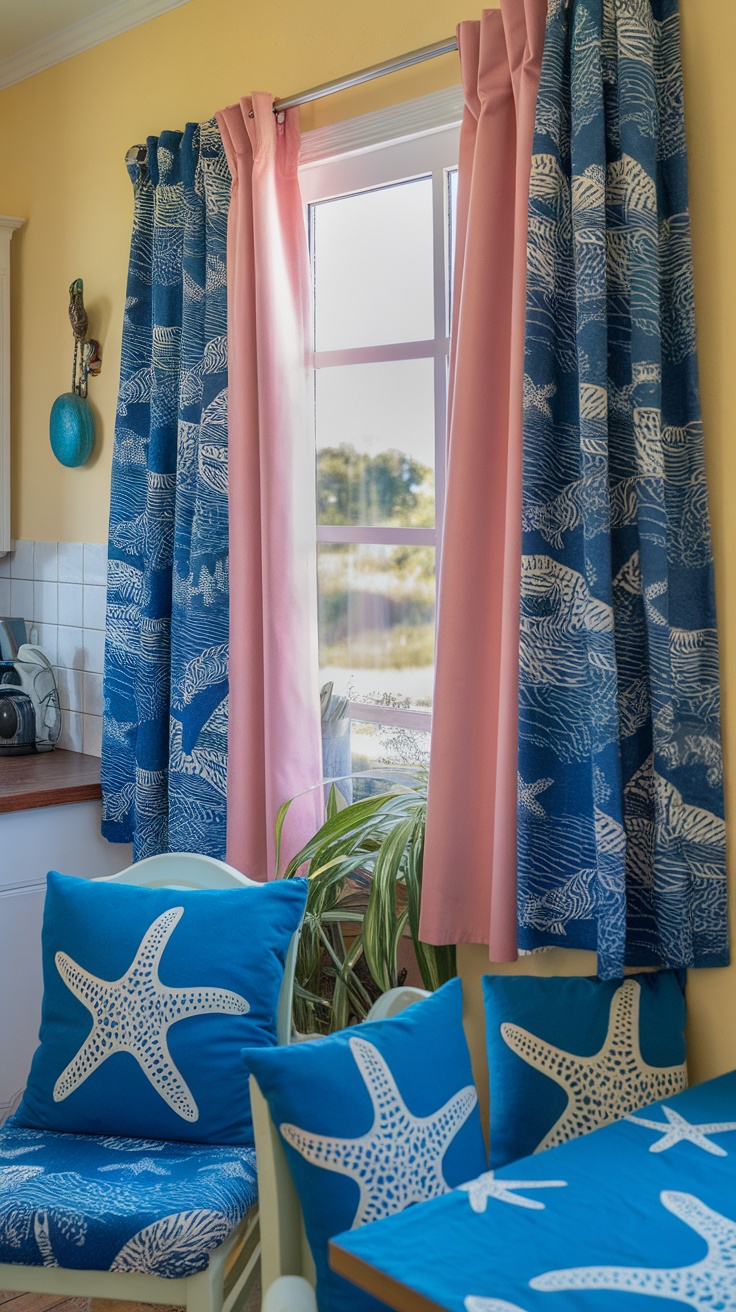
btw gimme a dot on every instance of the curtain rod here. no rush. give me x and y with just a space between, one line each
368 74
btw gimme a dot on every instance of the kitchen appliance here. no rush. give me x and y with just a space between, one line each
30 718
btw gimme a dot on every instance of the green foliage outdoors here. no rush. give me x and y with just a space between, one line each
388 488
393 585
365 881
400 647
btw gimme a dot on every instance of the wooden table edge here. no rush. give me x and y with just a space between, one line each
375 1282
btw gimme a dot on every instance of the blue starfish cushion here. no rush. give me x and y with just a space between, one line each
567 1055
374 1119
149 996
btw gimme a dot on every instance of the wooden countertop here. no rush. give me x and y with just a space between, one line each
48 779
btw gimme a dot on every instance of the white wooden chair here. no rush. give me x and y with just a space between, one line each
234 1266
286 1258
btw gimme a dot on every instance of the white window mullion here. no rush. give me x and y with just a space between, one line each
368 713
382 537
439 198
434 347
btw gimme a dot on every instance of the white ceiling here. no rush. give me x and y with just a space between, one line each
23 22
34 34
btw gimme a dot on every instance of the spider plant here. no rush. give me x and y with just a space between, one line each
365 881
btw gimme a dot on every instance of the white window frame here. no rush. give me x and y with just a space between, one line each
416 140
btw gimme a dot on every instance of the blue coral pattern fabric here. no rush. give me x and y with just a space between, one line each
637 1217
621 842
92 1203
164 747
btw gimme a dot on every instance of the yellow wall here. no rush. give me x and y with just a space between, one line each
63 138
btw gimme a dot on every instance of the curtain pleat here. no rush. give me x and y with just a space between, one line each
621 830
164 746
274 742
469 878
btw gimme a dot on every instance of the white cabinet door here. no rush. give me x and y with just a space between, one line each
21 989
8 225
64 838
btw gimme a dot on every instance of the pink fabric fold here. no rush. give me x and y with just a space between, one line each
469 880
274 747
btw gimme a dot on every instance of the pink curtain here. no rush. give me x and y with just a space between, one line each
469 884
274 749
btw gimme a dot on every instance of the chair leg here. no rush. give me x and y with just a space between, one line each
290 1294
205 1290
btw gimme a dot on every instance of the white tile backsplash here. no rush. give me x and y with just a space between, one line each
95 563
47 640
71 562
45 562
71 689
93 700
71 604
72 730
70 649
92 735
95 601
21 598
45 603
60 589
94 650
21 560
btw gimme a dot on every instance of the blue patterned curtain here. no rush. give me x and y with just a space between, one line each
164 748
621 831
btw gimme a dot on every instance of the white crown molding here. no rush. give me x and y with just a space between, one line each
75 38
412 118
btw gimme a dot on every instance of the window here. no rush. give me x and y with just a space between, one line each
380 230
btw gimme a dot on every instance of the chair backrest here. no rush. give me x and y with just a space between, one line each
190 871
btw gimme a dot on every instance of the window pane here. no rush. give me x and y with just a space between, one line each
375 444
375 746
376 622
452 240
373 267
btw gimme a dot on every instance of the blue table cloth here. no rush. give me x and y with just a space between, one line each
111 1204
643 1209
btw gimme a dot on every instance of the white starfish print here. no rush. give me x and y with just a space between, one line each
399 1160
538 396
475 1304
528 793
137 1168
487 1186
678 1130
706 1285
134 1013
602 1088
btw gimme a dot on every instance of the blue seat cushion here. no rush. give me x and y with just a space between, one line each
112 1204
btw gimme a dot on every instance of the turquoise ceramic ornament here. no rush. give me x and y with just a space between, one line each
72 429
